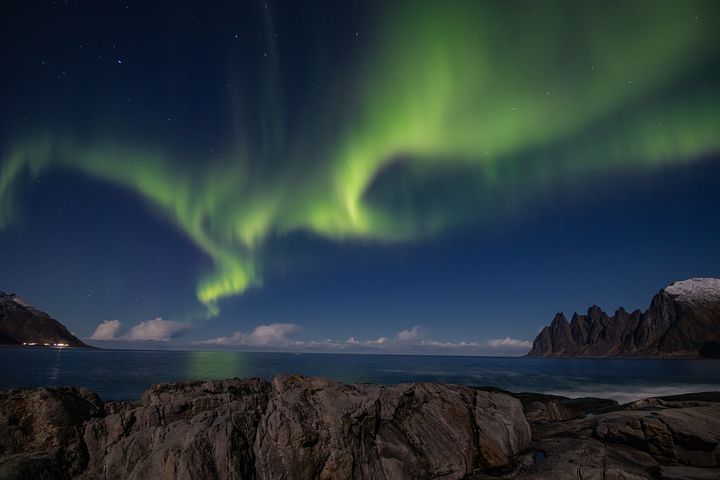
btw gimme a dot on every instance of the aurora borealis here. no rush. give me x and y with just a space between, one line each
246 125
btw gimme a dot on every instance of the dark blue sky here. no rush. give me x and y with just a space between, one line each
602 207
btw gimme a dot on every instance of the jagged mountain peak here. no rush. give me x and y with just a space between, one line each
683 320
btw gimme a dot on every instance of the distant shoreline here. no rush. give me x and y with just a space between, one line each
378 354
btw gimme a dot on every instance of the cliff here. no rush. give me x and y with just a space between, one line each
21 323
683 321
311 428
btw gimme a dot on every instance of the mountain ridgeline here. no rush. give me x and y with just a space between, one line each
683 321
21 323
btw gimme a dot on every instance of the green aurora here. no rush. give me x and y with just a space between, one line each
476 108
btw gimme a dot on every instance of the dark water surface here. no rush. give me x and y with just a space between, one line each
125 374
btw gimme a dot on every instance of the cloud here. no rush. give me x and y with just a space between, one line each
412 340
508 342
276 335
352 341
282 336
156 329
106 330
272 335
410 335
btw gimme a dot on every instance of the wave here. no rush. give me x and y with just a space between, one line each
627 394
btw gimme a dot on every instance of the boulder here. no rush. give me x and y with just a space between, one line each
672 437
317 428
299 427
180 431
41 431
312 428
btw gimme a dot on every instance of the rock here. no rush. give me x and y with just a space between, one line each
687 473
541 408
710 349
672 437
299 427
293 427
312 428
683 321
317 428
180 431
689 435
41 431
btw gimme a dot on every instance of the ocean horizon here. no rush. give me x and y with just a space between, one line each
122 374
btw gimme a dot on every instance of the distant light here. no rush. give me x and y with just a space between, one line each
45 344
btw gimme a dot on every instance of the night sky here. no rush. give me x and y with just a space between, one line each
423 176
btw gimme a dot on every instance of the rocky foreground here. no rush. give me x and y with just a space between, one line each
304 428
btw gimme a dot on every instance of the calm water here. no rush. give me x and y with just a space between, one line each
125 374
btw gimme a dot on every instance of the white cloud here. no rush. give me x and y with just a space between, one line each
436 343
276 335
353 341
272 335
508 342
412 340
106 330
413 334
156 329
282 336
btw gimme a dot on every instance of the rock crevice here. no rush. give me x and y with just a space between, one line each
292 427
313 428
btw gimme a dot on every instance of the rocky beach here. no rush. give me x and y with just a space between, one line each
298 427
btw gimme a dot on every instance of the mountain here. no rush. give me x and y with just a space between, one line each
683 321
22 323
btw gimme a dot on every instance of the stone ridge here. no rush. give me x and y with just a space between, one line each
312 428
683 321
293 427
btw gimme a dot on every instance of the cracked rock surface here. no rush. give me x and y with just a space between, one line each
667 438
297 427
41 431
292 427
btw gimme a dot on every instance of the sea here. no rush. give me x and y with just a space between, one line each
126 374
